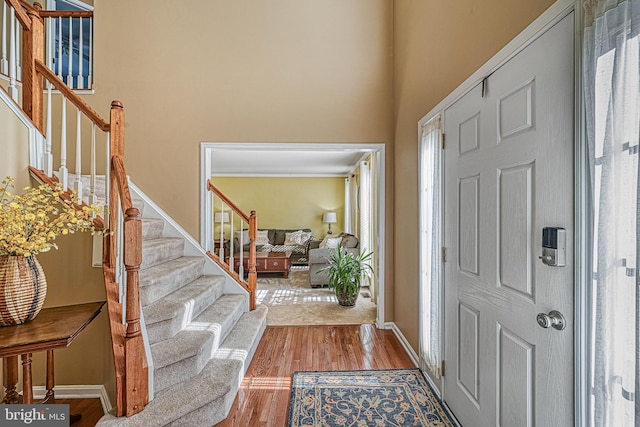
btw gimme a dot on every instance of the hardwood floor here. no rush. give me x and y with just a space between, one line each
90 409
263 398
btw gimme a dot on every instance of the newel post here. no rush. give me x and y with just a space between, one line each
137 387
253 275
32 82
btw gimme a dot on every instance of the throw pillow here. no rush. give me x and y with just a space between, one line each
262 238
334 242
245 236
305 236
292 238
330 242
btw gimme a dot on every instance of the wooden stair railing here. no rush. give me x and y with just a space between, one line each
122 243
225 205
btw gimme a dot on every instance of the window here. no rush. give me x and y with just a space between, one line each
70 46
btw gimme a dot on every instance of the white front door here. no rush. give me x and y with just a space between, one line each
508 174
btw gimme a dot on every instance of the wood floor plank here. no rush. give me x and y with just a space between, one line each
264 397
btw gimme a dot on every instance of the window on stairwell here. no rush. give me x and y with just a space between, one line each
70 43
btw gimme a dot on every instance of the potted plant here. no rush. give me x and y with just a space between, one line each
346 272
29 223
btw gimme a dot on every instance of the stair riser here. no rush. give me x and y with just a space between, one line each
153 255
152 229
152 290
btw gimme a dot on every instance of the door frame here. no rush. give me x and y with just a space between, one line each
547 19
208 148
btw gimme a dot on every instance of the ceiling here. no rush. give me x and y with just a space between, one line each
285 159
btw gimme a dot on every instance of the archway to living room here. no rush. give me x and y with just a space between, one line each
297 187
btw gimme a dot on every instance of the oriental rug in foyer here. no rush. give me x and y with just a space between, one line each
392 397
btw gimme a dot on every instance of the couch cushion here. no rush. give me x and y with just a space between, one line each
278 237
296 249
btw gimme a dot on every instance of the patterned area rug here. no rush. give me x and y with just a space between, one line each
395 397
292 301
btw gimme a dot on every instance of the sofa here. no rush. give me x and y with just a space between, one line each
275 240
319 256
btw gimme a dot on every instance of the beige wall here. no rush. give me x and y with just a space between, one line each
277 71
70 277
288 203
14 142
437 45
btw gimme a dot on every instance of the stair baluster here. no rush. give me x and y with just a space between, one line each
4 63
251 223
13 71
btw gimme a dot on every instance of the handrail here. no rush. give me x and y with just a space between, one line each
22 16
66 14
228 265
227 201
72 96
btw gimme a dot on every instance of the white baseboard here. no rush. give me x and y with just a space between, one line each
77 392
412 354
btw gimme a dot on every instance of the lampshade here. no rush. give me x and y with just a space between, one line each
330 218
221 217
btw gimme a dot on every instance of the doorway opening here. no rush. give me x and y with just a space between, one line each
285 181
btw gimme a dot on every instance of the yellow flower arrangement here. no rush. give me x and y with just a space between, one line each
30 222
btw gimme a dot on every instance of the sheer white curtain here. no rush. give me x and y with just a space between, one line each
365 207
611 59
347 206
430 245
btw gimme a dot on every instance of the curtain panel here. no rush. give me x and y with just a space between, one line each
612 110
431 246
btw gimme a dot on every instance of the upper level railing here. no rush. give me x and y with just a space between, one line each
236 251
68 37
122 244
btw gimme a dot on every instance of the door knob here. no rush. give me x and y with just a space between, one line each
554 319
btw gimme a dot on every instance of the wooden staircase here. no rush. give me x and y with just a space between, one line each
183 324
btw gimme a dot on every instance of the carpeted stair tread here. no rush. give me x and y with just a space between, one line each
167 316
184 355
212 384
163 279
161 250
152 228
243 340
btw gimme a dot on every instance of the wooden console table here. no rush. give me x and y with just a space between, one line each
53 328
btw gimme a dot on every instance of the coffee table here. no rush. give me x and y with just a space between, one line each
266 262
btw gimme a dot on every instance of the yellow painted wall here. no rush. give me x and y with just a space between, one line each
437 45
288 203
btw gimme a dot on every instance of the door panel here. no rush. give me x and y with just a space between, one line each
508 174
